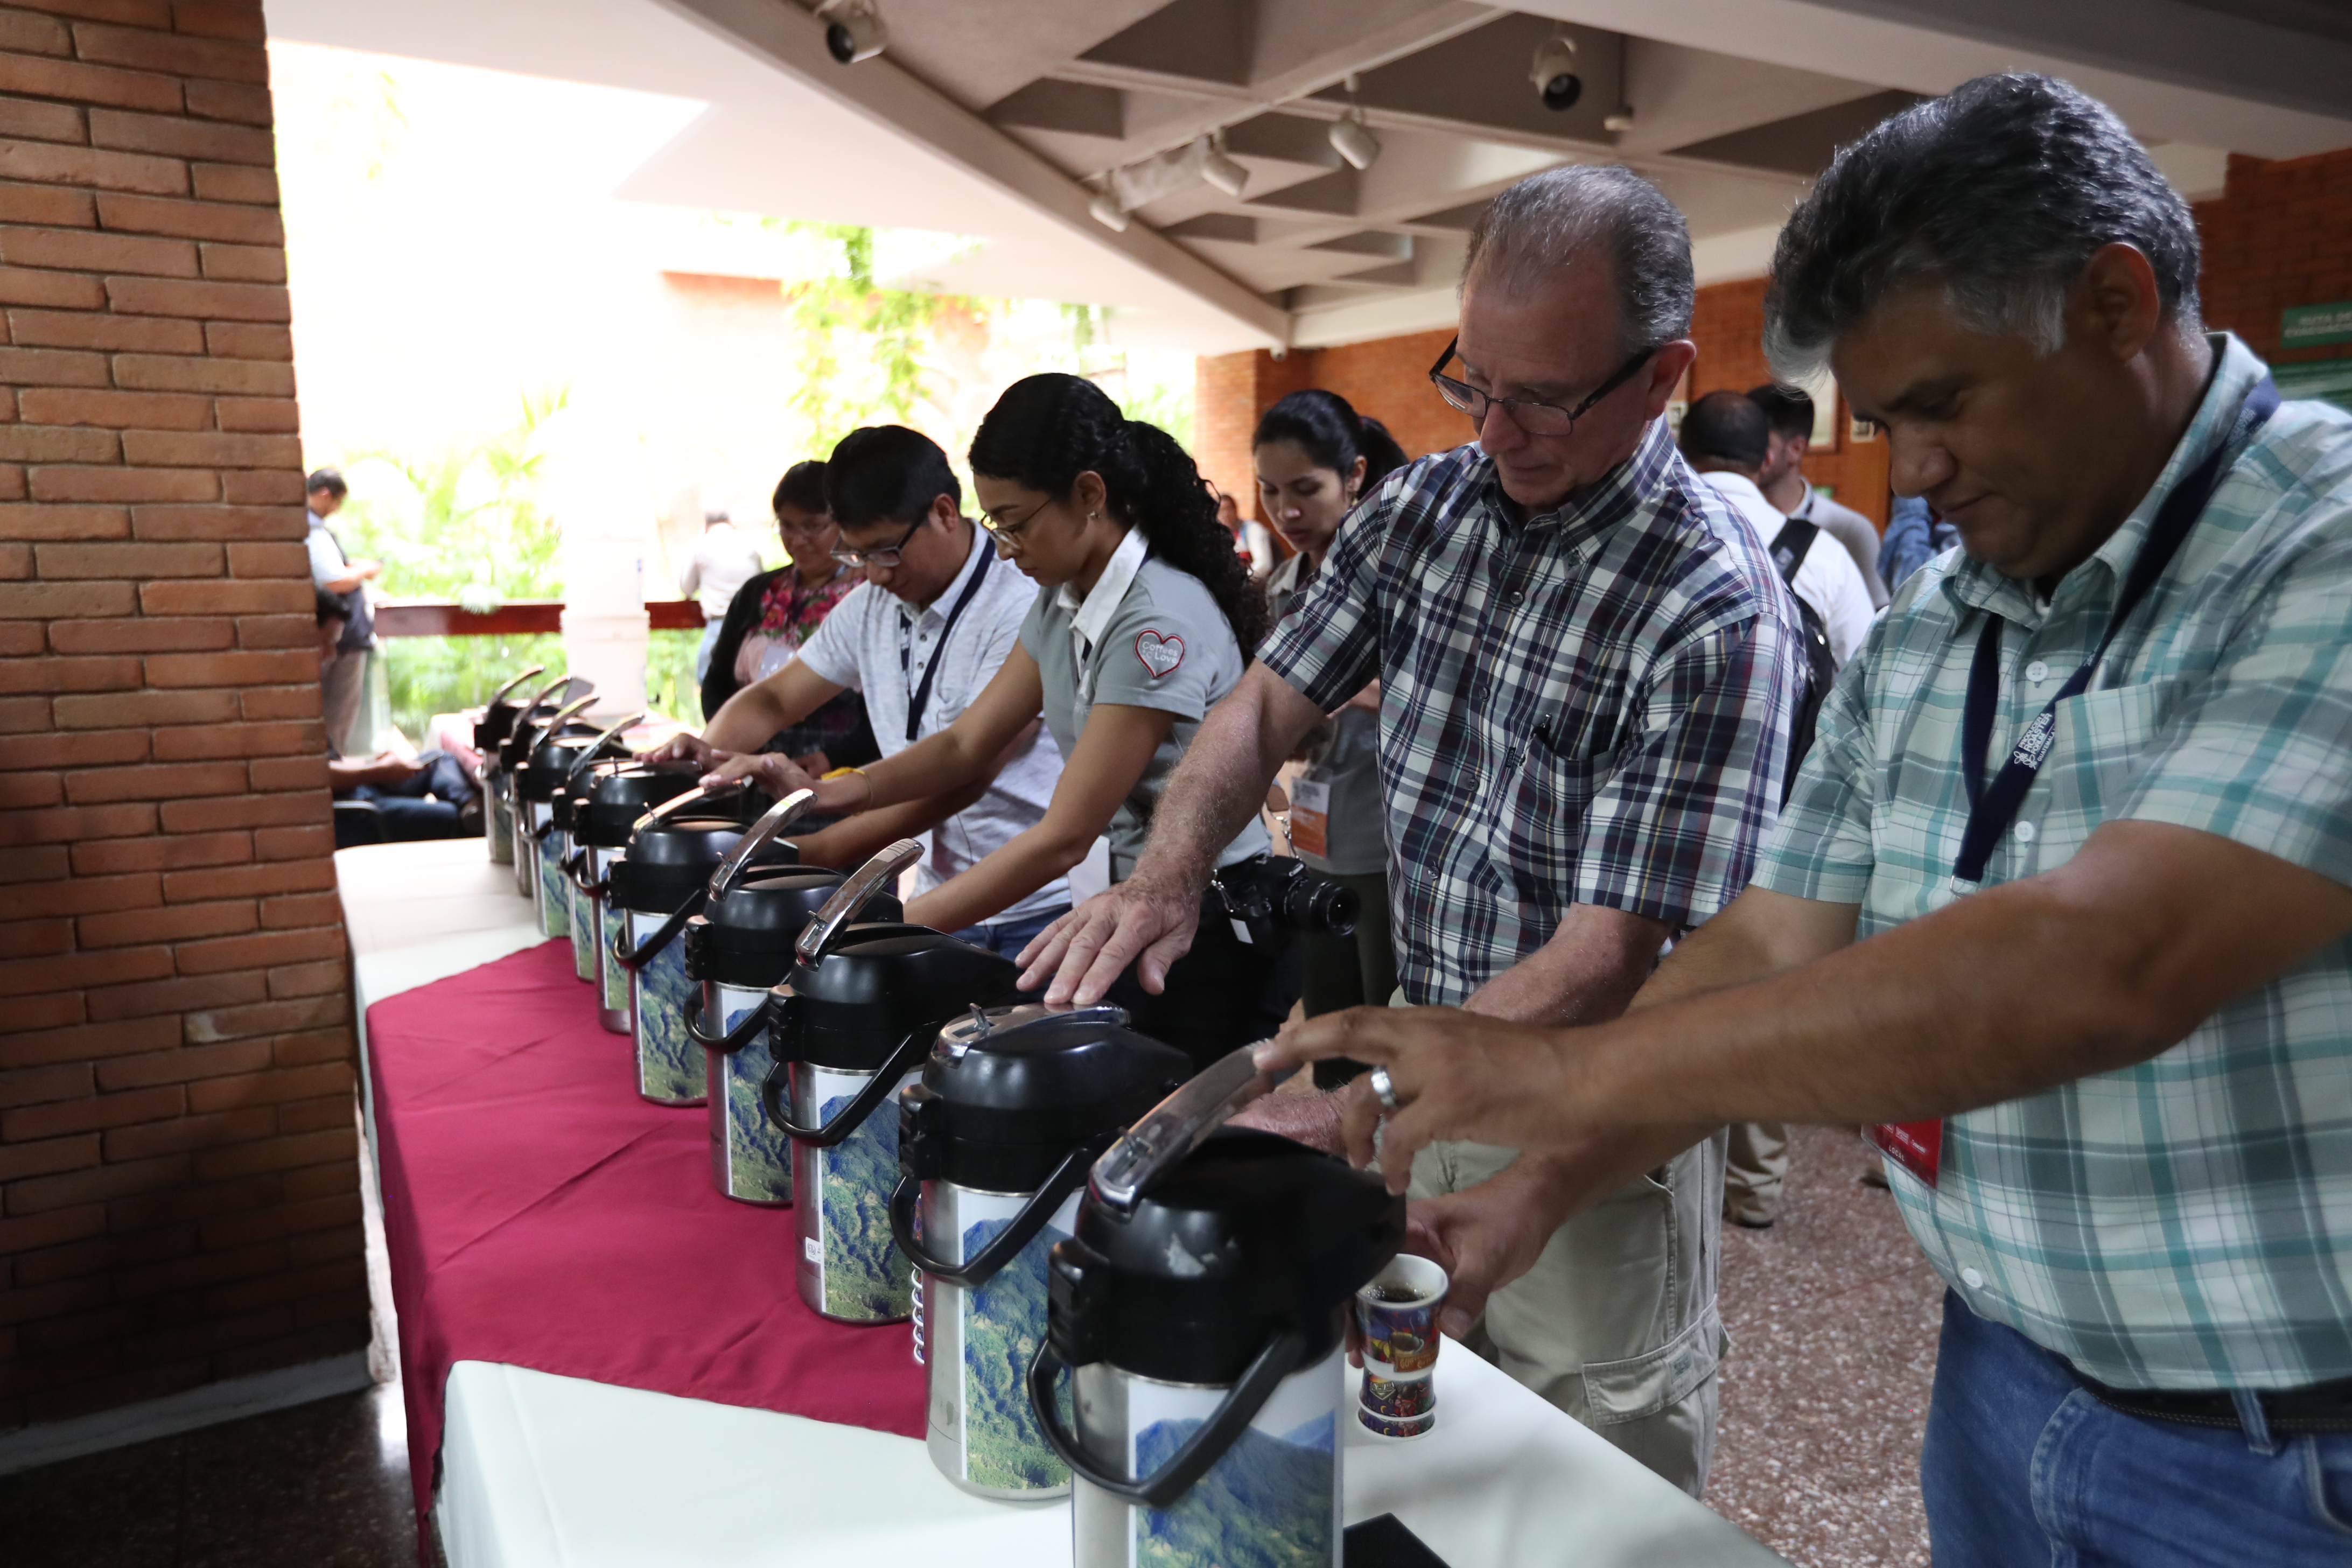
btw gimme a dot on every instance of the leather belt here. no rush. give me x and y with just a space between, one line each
2321 1407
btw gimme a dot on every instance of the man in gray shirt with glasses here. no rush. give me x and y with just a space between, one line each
920 638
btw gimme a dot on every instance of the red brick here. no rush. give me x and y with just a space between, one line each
50 1230
31 1014
190 599
245 104
20 640
177 448
116 410
274 558
142 635
239 952
36 1086
116 710
244 263
89 895
38 121
58 164
219 20
20 790
203 220
81 83
72 484
249 881
62 290
190 1132
139 560
57 601
24 977
275 415
316 1115
81 250
67 825
48 1156
12 488
155 782
338 1045
181 55
43 1193
102 1254
235 182
337 1211
278 631
320 1181
244 377
231 669
184 1064
92 1113
52 367
260 487
290 773
266 1019
85 749
162 854
245 340
280 702
58 444
54 205
20 715
240 1196
30 33
221 522
308 979
279 1154
223 301
69 675
130 13
177 138
244 811
239 741
274 1088
153 996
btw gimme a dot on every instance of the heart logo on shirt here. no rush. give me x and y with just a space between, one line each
1159 655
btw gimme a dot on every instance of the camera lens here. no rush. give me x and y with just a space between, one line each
1313 904
1562 90
842 44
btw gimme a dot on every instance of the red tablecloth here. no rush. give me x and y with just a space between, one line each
540 1214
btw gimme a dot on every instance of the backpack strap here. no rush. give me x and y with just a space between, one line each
1791 545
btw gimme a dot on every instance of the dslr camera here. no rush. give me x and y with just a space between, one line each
1266 895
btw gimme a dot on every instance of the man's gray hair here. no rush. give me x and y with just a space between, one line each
2001 191
1539 226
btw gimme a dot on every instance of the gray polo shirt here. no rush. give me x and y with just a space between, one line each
1147 636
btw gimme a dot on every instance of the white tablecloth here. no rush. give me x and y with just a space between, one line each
557 1472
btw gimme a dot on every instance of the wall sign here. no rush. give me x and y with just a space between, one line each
2308 326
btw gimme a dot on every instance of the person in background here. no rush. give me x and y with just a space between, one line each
1789 410
343 681
1252 541
1915 536
2095 1007
774 614
917 641
1589 672
427 796
724 559
1139 622
1317 459
1724 438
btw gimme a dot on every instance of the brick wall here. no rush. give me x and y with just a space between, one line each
178 1198
2280 234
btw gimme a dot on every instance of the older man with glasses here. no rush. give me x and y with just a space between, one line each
920 638
1589 667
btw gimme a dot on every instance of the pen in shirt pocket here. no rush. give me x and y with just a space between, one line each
1543 727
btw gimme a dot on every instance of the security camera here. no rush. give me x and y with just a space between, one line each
1554 73
853 31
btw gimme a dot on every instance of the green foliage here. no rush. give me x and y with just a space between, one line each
866 1275
1265 1503
670 686
844 318
1004 1445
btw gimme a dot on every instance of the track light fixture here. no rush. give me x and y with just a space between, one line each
1219 169
1619 119
1104 210
853 30
1554 73
1351 138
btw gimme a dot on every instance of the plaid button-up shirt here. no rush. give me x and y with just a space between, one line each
1591 706
2186 1222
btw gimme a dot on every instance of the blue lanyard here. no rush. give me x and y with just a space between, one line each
1992 807
921 699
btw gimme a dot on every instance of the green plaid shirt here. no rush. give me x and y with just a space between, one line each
2186 1222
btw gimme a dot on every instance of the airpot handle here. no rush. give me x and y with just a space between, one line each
569 711
780 816
1176 1126
588 754
517 681
695 796
851 898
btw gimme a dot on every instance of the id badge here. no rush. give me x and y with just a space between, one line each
1917 1146
1310 819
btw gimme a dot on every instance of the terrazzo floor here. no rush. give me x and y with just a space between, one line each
1833 1316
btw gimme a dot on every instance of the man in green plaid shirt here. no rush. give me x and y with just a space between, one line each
2059 906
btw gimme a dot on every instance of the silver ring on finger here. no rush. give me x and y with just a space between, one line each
1383 1090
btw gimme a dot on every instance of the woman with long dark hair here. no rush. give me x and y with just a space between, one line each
1144 619
1315 458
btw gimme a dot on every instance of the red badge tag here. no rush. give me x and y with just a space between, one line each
1160 655
1917 1146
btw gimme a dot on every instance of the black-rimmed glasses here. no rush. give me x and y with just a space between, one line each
1531 414
887 556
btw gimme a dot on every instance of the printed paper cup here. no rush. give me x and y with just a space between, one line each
1401 1398
1395 1427
1398 1313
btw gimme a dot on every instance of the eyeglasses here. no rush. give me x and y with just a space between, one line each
1007 531
886 556
1530 414
821 523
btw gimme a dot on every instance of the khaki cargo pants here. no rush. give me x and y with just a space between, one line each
1616 1323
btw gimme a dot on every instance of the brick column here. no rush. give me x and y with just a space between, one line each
178 1192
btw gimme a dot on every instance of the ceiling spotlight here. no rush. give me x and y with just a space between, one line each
1619 119
1554 73
1219 169
853 30
1104 210
1352 141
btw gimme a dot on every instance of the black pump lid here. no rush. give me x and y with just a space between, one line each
1251 1234
497 723
529 728
746 936
550 762
880 983
1008 1091
664 865
620 794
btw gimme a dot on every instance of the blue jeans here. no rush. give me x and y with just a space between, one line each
2024 1466
1009 937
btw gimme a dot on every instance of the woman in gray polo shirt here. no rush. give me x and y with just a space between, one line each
1142 615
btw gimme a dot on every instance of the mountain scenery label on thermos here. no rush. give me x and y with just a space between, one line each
862 1276
1277 1486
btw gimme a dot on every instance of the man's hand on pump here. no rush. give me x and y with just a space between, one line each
1085 951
